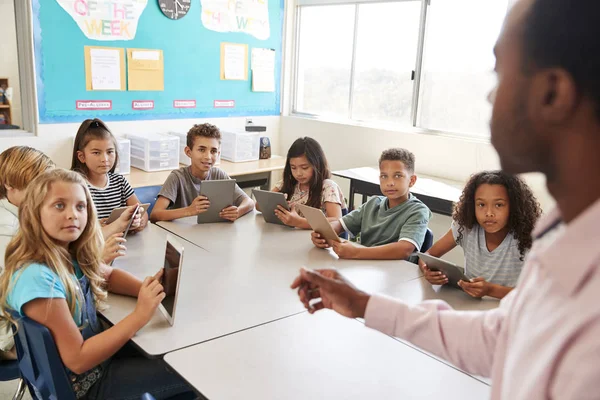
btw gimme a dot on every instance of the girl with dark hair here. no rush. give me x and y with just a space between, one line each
307 180
492 222
95 156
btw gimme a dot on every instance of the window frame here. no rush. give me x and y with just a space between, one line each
26 66
413 126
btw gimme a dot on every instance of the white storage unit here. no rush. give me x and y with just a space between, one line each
154 152
240 146
124 148
183 158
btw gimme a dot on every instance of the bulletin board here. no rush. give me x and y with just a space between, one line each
190 50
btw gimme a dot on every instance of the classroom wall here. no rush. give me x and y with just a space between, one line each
56 140
9 64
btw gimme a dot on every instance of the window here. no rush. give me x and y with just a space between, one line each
325 60
17 77
458 65
386 53
403 62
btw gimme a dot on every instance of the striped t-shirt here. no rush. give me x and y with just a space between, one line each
501 266
113 195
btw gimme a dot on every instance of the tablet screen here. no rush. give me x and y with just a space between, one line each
170 277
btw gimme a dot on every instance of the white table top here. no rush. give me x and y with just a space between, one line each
321 356
251 240
244 285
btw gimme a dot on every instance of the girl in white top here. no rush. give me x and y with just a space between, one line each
306 180
18 166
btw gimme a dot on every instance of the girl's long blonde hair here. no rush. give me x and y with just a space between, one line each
32 244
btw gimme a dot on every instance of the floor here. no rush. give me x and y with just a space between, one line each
7 390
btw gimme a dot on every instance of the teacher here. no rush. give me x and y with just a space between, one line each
543 342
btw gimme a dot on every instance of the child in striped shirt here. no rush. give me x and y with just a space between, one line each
95 156
492 222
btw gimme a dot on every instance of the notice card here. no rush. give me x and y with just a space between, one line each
145 70
106 69
263 70
234 61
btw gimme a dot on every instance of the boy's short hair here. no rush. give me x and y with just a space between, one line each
397 154
19 165
202 130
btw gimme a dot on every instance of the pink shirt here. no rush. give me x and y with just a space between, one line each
543 342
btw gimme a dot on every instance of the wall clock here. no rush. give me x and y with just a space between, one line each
175 9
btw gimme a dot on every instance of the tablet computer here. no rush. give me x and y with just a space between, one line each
318 222
220 195
171 278
268 202
135 211
116 213
451 270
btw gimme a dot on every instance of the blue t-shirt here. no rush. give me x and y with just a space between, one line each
37 281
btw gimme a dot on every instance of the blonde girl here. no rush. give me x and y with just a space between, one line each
18 166
54 276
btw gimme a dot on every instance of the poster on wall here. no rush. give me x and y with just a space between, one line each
106 19
246 16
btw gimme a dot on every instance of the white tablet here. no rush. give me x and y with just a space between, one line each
451 270
318 222
220 195
171 277
268 202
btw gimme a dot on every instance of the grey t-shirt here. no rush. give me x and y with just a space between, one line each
378 224
501 266
181 187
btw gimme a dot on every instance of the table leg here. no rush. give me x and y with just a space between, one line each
351 199
267 184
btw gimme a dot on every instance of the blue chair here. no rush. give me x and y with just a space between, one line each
147 194
9 371
428 242
40 363
344 235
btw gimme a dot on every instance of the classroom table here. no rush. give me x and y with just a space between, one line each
247 174
320 356
438 194
240 282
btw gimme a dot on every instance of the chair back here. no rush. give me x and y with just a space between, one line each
40 363
147 194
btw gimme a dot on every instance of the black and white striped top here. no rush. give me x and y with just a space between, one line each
114 195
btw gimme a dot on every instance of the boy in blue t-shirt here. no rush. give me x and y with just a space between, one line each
391 227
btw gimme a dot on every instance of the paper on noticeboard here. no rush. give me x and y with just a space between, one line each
234 61
104 68
263 70
145 69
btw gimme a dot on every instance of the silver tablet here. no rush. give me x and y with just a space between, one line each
171 278
318 222
451 270
268 202
220 195
116 213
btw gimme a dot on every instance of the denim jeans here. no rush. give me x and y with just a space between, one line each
128 375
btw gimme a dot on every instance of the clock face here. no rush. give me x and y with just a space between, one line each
175 9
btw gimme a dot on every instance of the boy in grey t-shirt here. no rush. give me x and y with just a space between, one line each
392 226
179 197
